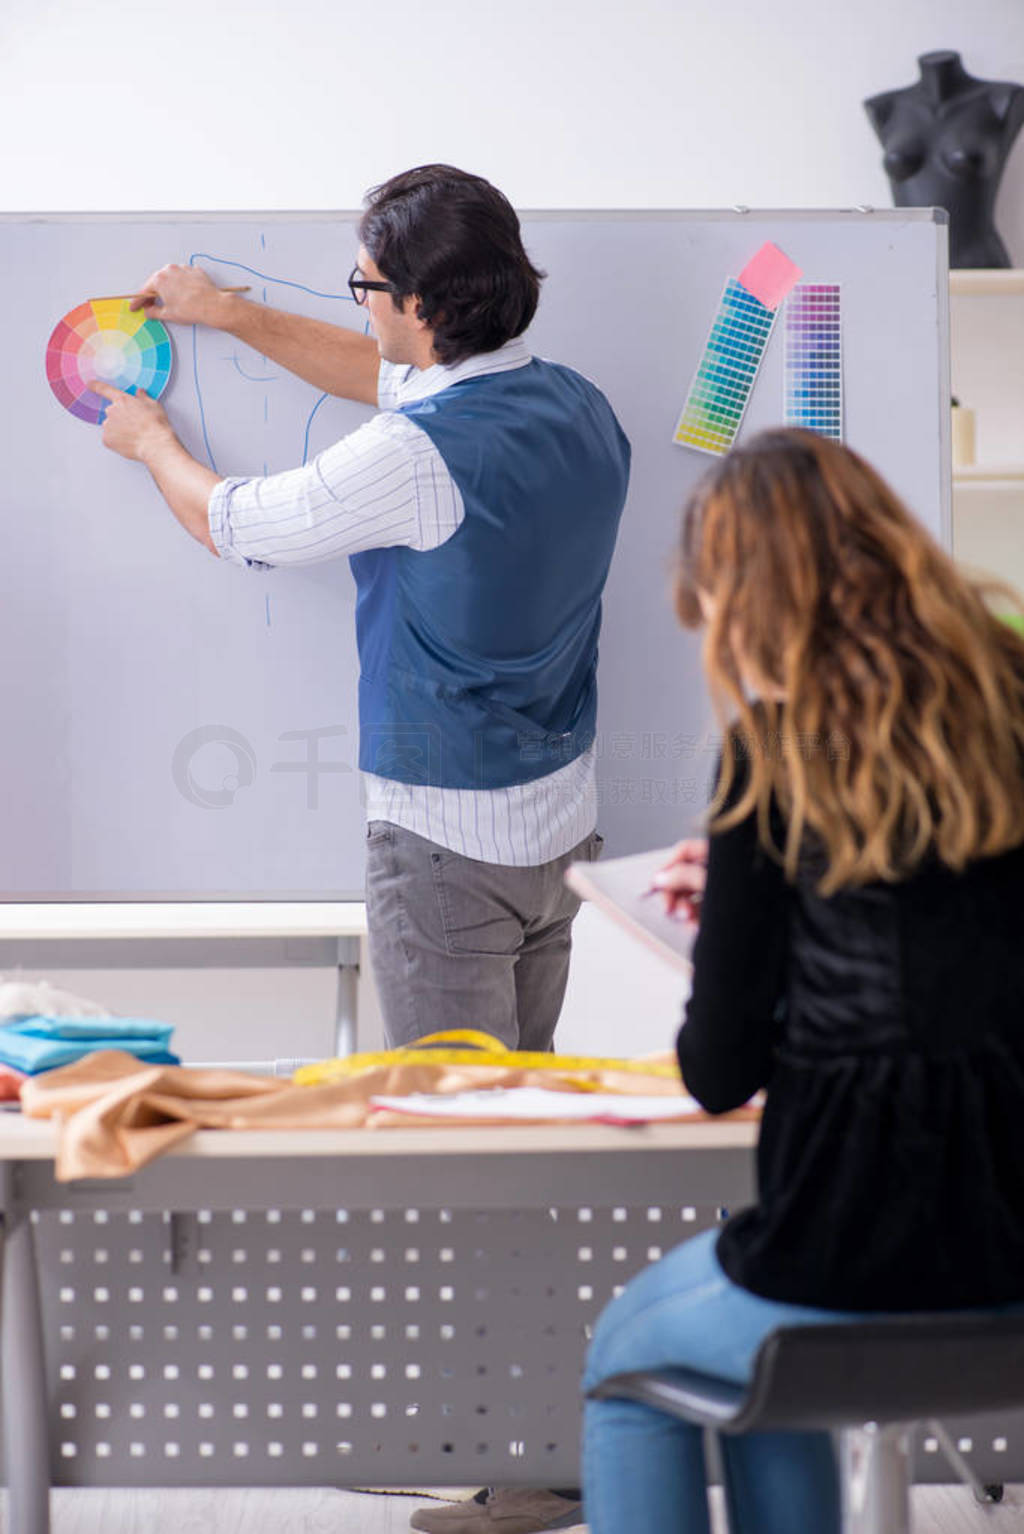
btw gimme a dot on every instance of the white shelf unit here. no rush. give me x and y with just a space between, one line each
989 477
986 282
987 364
981 472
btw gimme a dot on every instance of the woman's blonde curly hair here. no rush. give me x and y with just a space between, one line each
889 720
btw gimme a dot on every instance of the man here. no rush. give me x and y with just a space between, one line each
479 509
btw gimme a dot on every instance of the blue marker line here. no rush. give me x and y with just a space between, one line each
253 377
268 610
199 400
309 423
201 255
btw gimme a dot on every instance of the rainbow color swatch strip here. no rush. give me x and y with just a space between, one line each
721 388
104 341
814 359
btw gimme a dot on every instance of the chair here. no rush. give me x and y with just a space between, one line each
873 1381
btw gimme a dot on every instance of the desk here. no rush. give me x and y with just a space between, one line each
391 1307
401 1306
192 934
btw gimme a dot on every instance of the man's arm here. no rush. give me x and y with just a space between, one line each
383 485
330 357
137 427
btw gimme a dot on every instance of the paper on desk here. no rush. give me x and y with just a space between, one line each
514 1103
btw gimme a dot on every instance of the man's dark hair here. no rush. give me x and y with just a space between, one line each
453 240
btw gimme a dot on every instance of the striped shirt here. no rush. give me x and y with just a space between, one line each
384 485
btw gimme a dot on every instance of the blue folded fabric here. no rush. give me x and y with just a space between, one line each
40 1027
34 1044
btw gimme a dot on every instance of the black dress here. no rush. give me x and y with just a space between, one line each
887 1025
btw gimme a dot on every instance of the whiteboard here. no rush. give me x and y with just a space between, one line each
180 728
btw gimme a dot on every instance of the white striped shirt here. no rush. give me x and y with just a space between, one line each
382 486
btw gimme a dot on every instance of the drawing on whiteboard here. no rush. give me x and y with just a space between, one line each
252 377
280 432
103 341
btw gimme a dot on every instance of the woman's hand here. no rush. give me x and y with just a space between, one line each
683 878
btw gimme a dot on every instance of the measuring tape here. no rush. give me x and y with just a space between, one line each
480 1049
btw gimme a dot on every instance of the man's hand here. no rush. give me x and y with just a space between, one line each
184 296
134 425
683 878
137 427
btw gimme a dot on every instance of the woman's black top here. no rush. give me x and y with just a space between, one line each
887 1025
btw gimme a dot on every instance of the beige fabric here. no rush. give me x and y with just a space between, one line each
116 1114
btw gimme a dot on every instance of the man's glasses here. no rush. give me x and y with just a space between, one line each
359 286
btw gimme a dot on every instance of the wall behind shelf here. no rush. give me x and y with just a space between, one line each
988 532
987 367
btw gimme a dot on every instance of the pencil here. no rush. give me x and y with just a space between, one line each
112 298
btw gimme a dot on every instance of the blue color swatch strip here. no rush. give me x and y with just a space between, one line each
813 375
725 376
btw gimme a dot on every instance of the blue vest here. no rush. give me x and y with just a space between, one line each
478 659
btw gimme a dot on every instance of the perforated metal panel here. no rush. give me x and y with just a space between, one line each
389 1341
330 1347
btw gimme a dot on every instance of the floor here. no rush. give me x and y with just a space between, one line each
937 1510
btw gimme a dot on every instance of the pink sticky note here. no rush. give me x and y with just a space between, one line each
769 275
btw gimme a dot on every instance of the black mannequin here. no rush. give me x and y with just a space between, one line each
946 141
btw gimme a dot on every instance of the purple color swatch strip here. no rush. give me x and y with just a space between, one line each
813 374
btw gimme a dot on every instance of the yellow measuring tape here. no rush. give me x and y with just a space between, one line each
480 1049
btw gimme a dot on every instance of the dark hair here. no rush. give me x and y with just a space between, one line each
453 240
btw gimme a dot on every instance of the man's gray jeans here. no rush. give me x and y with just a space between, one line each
456 943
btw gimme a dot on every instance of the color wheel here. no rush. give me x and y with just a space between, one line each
104 340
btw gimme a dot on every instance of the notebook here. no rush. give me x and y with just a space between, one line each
621 888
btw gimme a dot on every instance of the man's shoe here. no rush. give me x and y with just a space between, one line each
500 1510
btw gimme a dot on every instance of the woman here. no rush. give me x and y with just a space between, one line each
860 956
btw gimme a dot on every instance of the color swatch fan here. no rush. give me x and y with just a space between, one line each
105 341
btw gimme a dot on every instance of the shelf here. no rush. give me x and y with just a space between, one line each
1008 482
980 487
983 281
989 473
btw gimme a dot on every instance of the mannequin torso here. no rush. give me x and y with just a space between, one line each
946 140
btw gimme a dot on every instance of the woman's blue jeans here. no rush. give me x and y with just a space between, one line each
644 1470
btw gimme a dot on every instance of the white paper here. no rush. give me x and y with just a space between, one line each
623 889
537 1103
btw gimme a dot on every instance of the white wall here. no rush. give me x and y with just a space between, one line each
219 104
206 104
